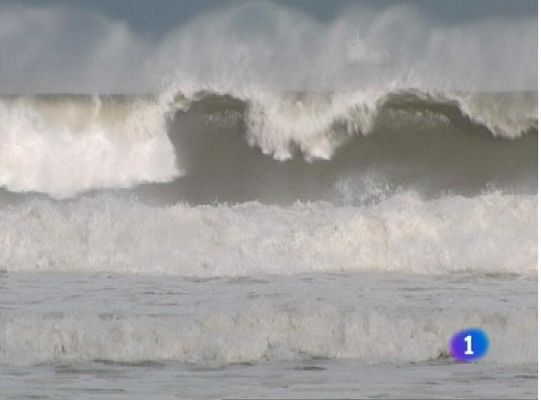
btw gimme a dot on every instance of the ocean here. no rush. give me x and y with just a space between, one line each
236 235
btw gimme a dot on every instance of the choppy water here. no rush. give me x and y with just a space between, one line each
290 208
310 335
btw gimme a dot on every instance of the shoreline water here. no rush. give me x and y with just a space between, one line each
309 335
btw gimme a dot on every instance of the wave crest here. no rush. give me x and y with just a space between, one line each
63 145
314 123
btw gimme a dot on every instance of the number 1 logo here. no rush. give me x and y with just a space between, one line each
469 351
469 345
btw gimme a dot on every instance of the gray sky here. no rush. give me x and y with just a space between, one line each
158 16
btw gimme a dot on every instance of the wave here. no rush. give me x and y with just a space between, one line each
258 333
372 317
63 145
69 144
492 233
375 141
278 124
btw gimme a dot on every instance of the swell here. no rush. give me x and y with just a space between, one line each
63 145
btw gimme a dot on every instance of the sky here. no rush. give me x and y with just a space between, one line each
158 16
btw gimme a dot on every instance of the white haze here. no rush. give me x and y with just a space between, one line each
264 46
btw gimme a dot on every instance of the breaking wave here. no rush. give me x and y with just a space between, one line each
257 141
63 145
294 88
492 233
260 332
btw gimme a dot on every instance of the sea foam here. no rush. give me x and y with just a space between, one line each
491 233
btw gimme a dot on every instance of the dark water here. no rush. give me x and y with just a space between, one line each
428 146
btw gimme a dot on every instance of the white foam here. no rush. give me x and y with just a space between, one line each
263 332
508 115
490 233
65 146
279 124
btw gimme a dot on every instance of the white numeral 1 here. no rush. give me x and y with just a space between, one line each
469 350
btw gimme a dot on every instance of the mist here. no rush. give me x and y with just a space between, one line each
262 46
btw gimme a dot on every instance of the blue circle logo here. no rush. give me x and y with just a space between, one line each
469 345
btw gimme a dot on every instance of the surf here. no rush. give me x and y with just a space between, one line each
491 233
65 145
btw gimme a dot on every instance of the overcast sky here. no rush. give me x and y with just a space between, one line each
160 15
